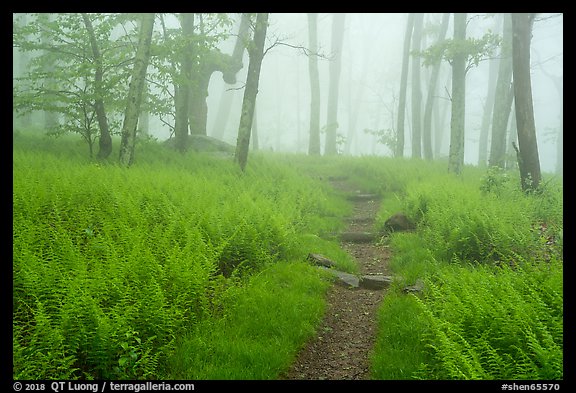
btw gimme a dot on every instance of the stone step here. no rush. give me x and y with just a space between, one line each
357 237
321 260
363 197
346 279
359 220
374 282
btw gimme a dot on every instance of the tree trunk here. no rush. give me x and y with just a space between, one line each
208 64
198 108
502 101
529 161
399 152
427 125
50 117
255 144
457 122
183 96
137 81
510 126
330 147
416 90
256 52
314 143
144 121
105 141
23 64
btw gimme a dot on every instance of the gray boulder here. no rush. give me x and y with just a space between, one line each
203 143
399 222
375 281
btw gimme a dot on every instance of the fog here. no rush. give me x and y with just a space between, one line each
370 83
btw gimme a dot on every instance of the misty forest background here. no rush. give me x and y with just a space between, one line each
171 175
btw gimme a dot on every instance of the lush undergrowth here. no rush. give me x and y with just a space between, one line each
490 258
113 268
184 267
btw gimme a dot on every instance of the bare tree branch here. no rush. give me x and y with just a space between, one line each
447 92
236 88
305 51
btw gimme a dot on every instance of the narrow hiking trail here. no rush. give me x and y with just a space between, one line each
341 349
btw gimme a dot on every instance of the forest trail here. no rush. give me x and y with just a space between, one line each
341 349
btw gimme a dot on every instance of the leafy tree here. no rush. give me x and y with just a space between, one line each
67 77
183 60
462 54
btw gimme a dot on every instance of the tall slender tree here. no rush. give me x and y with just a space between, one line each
493 65
256 54
137 81
456 155
330 147
314 142
427 124
416 89
399 151
527 149
502 98
49 68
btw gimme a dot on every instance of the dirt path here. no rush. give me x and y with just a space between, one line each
341 349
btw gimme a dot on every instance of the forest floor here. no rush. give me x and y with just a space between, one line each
341 349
